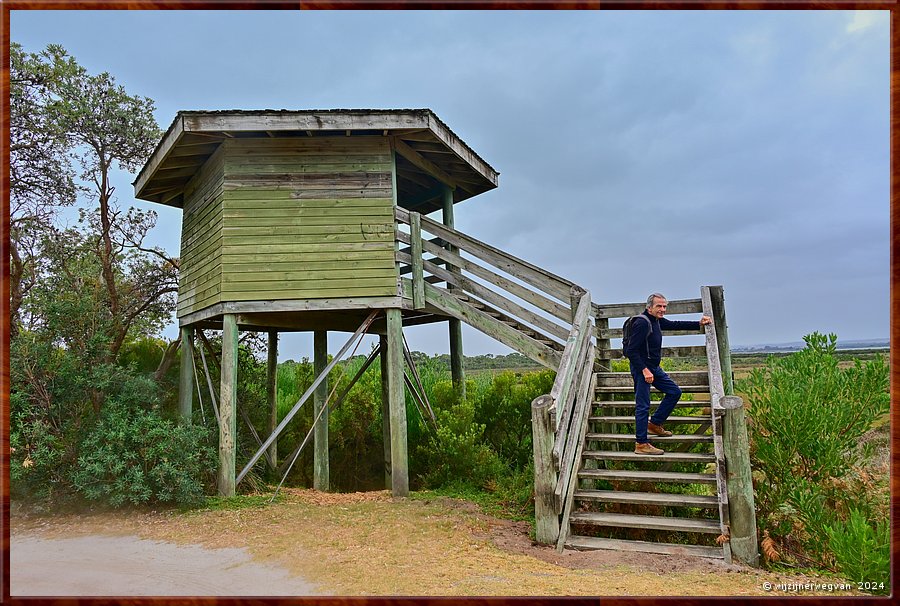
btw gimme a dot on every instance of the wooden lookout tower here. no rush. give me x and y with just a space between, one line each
317 221
289 225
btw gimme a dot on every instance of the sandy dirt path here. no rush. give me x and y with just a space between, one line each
130 566
363 544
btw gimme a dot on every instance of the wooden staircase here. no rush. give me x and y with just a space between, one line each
591 490
674 503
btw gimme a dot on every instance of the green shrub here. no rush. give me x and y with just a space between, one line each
133 455
457 452
862 550
504 408
807 416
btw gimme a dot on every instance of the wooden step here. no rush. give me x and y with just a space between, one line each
647 498
593 543
653 403
625 520
669 457
624 437
623 379
630 389
626 420
648 476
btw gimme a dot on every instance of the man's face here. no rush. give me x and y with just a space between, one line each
658 309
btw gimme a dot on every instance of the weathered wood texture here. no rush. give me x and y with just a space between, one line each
741 502
186 376
716 395
532 275
397 403
199 280
272 394
228 407
320 397
546 518
385 408
277 219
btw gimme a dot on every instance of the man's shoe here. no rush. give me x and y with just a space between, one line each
658 430
647 449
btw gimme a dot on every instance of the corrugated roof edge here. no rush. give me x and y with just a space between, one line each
251 112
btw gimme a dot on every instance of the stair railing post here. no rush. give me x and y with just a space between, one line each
546 519
741 503
455 326
418 278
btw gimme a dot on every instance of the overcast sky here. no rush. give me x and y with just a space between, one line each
638 151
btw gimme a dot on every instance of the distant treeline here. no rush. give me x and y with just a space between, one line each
510 361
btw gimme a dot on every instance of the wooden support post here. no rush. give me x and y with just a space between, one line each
418 279
736 443
272 395
228 406
186 381
455 326
546 519
397 403
320 437
385 410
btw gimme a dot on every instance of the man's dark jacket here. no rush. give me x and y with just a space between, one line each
645 343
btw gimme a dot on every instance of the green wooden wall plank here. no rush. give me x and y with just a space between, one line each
302 257
308 248
264 210
300 167
330 265
247 196
318 193
318 231
274 283
290 278
344 292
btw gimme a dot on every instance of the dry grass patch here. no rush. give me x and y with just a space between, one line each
371 544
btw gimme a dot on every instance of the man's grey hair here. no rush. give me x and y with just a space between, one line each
655 295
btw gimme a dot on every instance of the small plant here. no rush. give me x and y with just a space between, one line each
862 550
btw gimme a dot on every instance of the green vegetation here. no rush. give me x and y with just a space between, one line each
822 497
91 385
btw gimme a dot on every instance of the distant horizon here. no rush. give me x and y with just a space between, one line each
801 343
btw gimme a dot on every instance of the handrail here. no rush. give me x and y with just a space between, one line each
718 404
531 274
482 285
569 325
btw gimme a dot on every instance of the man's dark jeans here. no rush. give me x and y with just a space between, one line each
663 383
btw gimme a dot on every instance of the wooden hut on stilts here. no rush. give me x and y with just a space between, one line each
317 221
289 225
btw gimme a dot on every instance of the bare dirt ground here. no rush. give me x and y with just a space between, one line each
370 544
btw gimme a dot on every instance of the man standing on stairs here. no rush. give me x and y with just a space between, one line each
644 353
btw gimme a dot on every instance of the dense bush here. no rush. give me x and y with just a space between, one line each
127 452
457 451
807 417
132 455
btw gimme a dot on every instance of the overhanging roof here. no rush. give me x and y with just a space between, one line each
429 153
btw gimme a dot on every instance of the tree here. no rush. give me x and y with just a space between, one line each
82 292
63 118
41 176
108 127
